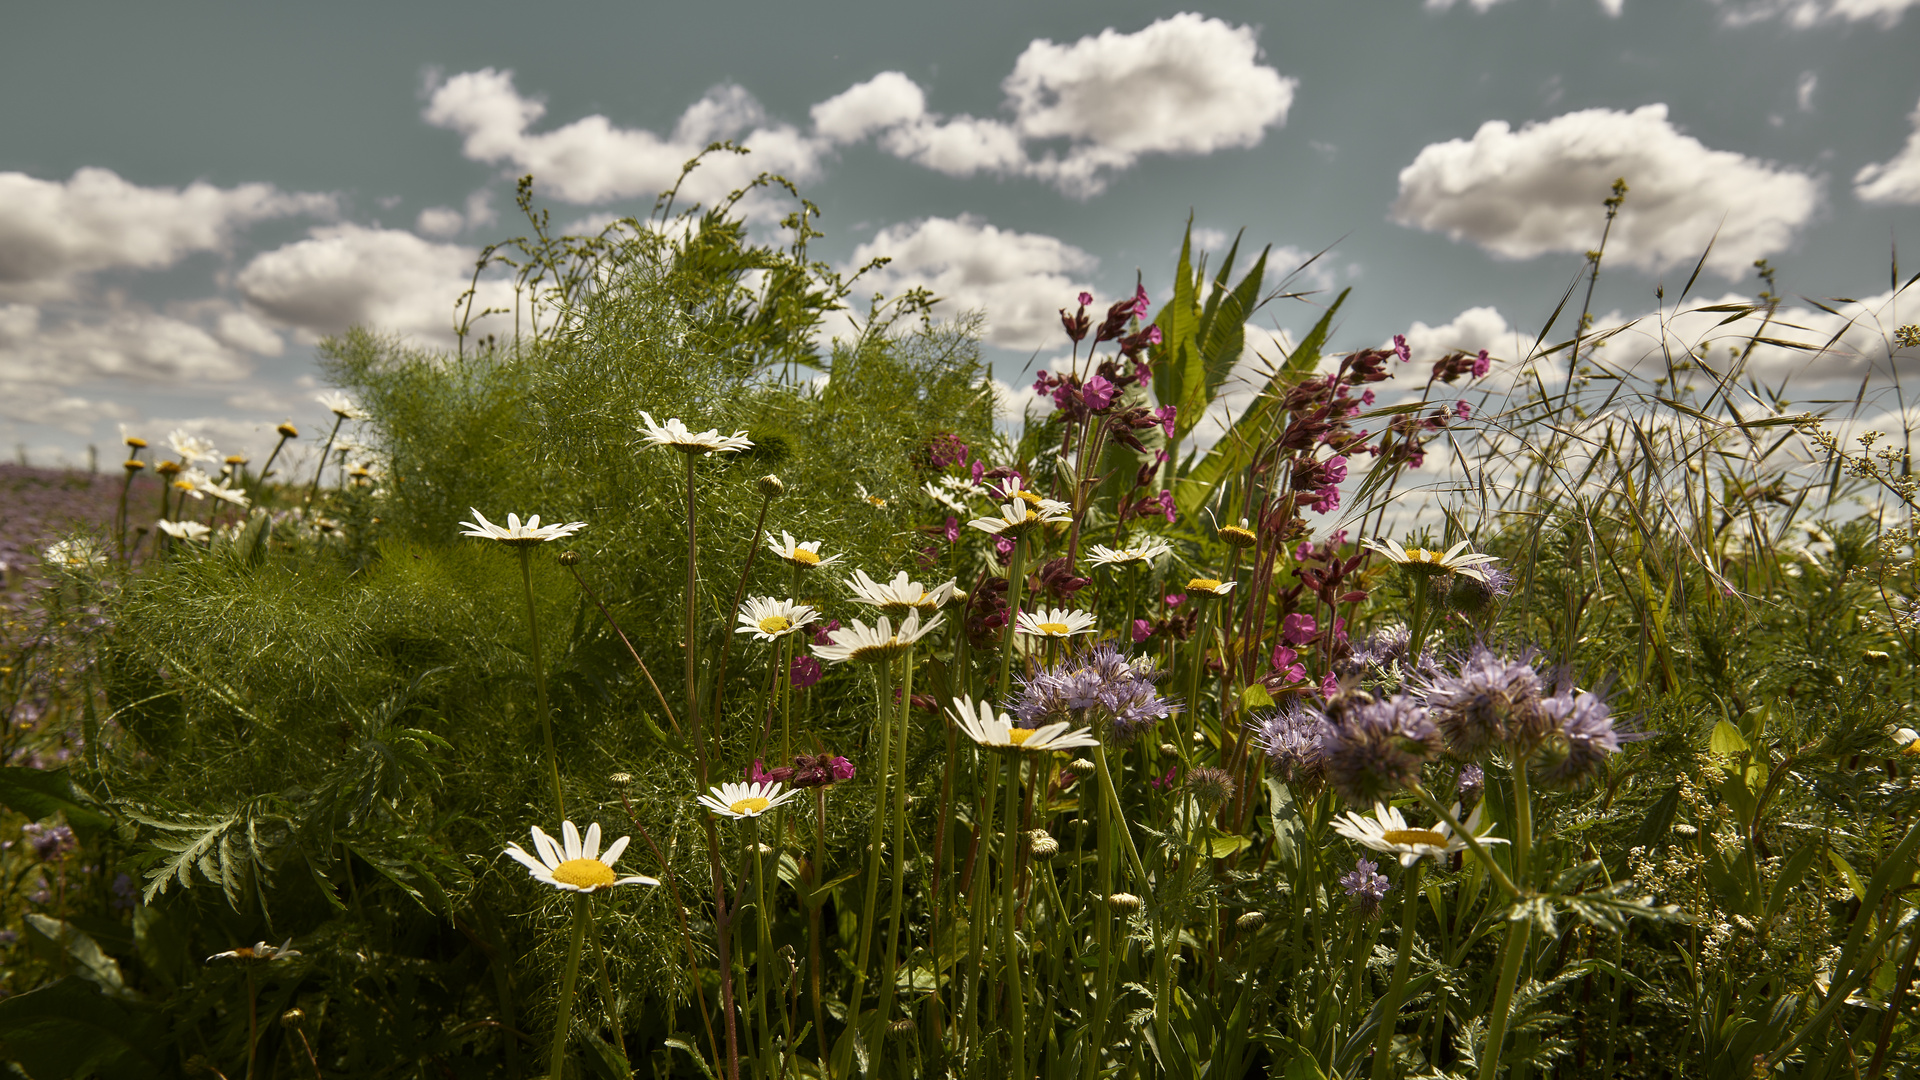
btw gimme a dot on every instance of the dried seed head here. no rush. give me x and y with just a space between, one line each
1210 787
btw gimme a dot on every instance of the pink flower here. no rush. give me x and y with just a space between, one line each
824 635
1481 364
979 470
1400 348
953 529
1326 500
1330 685
1304 551
1298 629
804 672
1153 334
1463 410
1286 662
1140 302
1176 599
1098 393
842 768
1166 414
1336 469
1003 545
1162 783
757 773
1086 298
1142 630
1366 397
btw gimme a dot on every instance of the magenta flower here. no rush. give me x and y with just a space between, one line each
1142 630
1400 348
1463 410
1286 662
953 529
1098 393
1176 599
1298 629
1140 302
824 635
1086 298
1481 364
1153 334
804 672
1162 783
1336 469
1166 414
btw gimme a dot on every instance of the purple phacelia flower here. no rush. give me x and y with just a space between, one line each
1490 702
1291 740
1580 738
1374 749
1367 886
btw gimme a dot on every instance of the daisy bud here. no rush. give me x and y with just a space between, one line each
1876 657
1124 903
134 465
770 486
762 850
902 1029
293 1018
288 431
1081 767
136 442
621 778
1251 921
167 468
1169 748
569 558
1041 846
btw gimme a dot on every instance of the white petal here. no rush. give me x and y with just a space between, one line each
549 848
612 854
590 848
519 855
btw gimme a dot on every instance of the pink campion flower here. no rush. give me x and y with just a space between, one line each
1176 599
953 529
1400 348
1330 685
758 773
1336 469
1298 629
1140 303
1417 457
1481 365
841 768
824 635
804 672
1463 410
1142 630
1098 393
1340 624
1167 414
1326 500
1087 298
979 470
1153 334
1286 663
1303 552
1162 783
1366 397
1166 505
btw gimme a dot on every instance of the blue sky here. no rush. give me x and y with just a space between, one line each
191 194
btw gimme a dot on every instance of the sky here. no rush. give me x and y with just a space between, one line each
193 194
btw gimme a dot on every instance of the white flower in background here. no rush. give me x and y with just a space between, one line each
515 533
675 434
1146 551
805 555
191 448
1023 510
744 800
127 436
1207 586
190 481
183 530
578 865
1388 831
1054 622
951 492
768 619
997 731
868 644
900 595
1431 562
259 950
1908 740
340 405
868 497
78 553
221 491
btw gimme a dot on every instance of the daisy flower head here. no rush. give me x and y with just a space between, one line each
191 448
575 863
79 553
951 492
1147 551
517 534
804 554
675 435
899 596
1206 586
183 530
1908 740
1022 512
1427 562
219 490
768 619
747 800
1388 831
1054 622
997 731
127 436
340 405
869 644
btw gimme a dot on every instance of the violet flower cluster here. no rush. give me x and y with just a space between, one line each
1367 886
1494 703
1375 748
1099 688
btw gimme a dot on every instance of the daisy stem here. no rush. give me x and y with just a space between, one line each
884 675
1499 876
563 1019
267 469
692 647
1518 931
1103 926
739 593
1009 946
321 470
1403 959
763 953
1112 797
1201 633
976 926
1417 624
813 919
606 986
887 987
540 677
1016 577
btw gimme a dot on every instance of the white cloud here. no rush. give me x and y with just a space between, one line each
1803 90
1896 180
887 100
1020 280
53 232
1612 8
384 279
440 221
1470 331
1804 14
1535 191
592 160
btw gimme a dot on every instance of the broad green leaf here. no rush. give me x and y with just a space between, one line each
1220 847
1846 871
1726 739
1255 696
40 793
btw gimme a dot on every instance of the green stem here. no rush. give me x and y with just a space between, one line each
1417 628
1103 927
884 675
1012 985
763 952
1516 951
321 471
1396 990
563 1019
899 766
976 926
540 678
1499 876
606 986
1016 579
1112 796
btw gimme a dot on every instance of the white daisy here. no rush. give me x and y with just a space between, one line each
183 530
1022 511
219 490
997 731
76 554
675 434
1209 586
1431 562
869 498
744 800
578 865
900 595
515 533
805 554
1054 622
259 950
192 448
1388 831
340 405
769 620
877 642
1908 740
127 436
1147 551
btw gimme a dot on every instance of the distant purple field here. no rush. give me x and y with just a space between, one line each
38 506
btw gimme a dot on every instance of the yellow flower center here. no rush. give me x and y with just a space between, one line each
1911 748
1422 555
775 624
1414 836
1031 516
804 557
583 873
1057 629
1028 497
1204 584
1019 736
752 805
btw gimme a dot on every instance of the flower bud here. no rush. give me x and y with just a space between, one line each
1169 748
621 778
288 431
135 464
293 1018
1251 921
1124 903
136 442
1041 846
569 558
1081 767
902 1029
1876 658
1210 787
770 486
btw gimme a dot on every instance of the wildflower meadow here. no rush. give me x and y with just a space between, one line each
664 684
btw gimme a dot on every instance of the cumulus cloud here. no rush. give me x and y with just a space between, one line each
54 232
1079 112
593 160
1611 7
1020 280
1520 194
1896 180
384 279
1805 14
